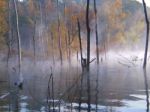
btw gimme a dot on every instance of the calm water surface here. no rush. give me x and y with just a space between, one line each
113 88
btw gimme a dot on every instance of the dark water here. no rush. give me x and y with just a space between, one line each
113 88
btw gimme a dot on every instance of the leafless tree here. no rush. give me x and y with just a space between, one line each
88 55
34 41
96 32
52 46
19 46
147 34
9 40
59 38
88 34
80 43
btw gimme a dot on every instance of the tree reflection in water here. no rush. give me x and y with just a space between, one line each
146 89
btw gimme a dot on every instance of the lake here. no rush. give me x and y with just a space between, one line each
113 87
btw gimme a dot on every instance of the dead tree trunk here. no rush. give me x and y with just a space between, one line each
19 46
82 64
9 38
147 34
96 32
88 35
59 38
80 43
69 46
41 31
52 46
88 55
34 41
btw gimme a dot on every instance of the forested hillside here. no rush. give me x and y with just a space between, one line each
120 25
74 55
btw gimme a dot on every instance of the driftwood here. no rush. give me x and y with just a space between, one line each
4 96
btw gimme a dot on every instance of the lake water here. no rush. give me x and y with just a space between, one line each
113 88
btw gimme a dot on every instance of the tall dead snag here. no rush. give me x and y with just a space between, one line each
79 35
82 64
69 47
147 34
34 48
52 47
19 46
59 38
88 34
96 32
41 32
88 55
9 38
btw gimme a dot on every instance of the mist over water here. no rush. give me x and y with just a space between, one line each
117 84
55 80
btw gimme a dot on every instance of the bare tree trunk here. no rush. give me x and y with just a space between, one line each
34 48
9 44
9 39
66 42
59 38
88 56
41 32
67 36
147 34
88 35
19 46
79 35
96 32
69 48
52 45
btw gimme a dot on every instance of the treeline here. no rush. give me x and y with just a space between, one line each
49 27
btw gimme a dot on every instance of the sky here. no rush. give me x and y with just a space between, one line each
147 2
20 0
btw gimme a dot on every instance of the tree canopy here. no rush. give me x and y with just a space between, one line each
3 21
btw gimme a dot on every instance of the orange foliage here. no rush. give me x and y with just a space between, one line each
116 17
3 20
3 4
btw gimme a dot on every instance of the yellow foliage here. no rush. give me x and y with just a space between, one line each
133 33
3 22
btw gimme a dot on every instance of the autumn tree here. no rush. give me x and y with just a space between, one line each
113 18
3 22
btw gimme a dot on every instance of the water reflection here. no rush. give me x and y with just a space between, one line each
146 90
97 89
112 89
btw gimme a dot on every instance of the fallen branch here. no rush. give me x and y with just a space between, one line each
124 64
92 60
4 96
127 59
